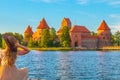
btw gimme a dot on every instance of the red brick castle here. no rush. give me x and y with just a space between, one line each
80 35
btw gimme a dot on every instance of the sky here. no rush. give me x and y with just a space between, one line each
16 15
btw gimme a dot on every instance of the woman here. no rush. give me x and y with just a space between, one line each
8 70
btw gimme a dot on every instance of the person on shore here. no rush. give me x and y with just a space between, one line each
8 56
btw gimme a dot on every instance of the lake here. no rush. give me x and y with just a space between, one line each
72 65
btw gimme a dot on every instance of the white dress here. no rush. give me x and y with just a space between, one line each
11 72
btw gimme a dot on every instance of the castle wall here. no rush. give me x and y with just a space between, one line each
75 39
104 38
89 43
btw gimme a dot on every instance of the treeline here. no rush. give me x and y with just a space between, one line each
18 36
50 39
115 39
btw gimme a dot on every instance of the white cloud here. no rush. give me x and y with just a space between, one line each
115 3
47 1
117 16
115 27
82 1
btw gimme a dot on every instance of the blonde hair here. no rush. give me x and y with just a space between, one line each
11 51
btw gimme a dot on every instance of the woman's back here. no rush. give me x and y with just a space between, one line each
8 56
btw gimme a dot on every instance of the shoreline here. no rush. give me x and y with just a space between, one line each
76 49
109 48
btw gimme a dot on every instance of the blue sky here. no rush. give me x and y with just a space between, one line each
16 15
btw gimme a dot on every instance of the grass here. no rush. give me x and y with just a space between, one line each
75 49
53 49
60 49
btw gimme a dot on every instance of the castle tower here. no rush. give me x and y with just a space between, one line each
104 35
28 34
77 33
65 23
42 25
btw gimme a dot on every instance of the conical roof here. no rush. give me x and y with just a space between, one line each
66 22
103 26
29 30
43 24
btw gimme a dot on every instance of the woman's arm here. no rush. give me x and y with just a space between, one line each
23 50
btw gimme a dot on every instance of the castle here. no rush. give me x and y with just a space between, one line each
80 36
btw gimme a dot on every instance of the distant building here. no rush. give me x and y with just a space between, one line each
65 23
38 33
104 35
28 33
80 35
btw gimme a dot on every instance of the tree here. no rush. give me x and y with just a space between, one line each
52 34
45 39
117 35
19 37
0 40
39 43
93 33
52 37
27 37
115 39
65 37
31 43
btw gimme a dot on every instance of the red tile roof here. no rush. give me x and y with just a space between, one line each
59 30
43 24
78 28
29 30
103 26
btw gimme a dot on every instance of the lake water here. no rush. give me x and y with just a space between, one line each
72 65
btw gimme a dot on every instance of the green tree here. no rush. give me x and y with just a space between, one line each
52 34
52 37
19 37
45 39
116 38
31 43
113 40
65 37
27 36
39 43
93 33
0 40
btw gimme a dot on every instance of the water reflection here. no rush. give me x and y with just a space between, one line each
72 65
